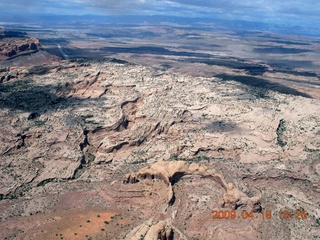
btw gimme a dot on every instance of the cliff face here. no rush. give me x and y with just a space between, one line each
13 46
18 49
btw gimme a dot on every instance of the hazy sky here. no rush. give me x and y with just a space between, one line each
302 12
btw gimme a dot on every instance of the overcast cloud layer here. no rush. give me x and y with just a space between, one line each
301 12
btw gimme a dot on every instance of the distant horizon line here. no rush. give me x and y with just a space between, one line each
159 19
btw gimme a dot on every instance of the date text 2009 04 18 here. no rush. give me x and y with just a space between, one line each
265 214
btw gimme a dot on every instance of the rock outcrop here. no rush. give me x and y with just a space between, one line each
171 171
152 230
19 49
13 47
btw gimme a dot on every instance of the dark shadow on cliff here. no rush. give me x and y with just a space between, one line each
24 95
262 83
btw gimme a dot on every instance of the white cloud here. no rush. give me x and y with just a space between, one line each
255 10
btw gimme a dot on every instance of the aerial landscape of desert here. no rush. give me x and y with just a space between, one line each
158 130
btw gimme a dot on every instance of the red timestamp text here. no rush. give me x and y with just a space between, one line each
264 214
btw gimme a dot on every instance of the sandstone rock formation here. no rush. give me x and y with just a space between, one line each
19 49
170 172
152 230
12 47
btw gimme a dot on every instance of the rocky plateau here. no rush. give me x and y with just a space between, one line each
114 150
